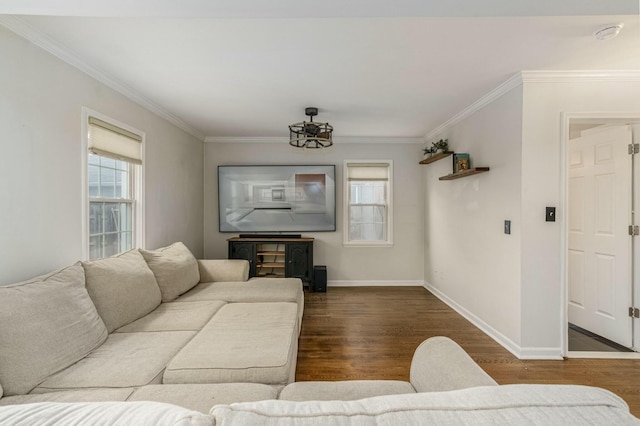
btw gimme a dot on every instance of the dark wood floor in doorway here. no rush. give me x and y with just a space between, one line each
581 340
352 333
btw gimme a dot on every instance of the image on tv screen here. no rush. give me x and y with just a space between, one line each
277 198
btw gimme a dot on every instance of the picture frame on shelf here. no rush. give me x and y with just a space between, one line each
461 162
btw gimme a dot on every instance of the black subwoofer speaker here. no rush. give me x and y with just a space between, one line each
320 278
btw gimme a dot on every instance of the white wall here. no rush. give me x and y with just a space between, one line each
469 261
542 182
399 264
512 286
40 165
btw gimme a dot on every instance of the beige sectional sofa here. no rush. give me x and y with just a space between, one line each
149 325
158 337
446 387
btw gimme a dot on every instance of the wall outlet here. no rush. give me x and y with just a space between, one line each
507 227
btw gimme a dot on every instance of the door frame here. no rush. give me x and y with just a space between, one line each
565 121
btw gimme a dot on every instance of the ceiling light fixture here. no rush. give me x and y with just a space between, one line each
310 134
608 31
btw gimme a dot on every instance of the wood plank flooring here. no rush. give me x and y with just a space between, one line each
353 333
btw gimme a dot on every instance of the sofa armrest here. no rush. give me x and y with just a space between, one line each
440 364
212 270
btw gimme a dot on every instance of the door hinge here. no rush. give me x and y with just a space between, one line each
634 230
634 148
634 312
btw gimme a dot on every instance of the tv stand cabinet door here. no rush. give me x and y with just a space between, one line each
243 250
299 261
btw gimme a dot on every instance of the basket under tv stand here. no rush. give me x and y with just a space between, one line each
275 256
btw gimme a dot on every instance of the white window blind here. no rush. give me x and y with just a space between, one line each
368 171
111 141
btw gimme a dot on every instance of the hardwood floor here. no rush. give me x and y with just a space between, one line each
371 332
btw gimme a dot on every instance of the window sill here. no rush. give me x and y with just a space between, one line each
367 244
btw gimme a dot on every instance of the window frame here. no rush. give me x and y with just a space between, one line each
346 200
136 182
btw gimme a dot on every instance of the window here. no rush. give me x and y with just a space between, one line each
368 210
113 220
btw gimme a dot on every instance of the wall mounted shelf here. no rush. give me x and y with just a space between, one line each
436 157
464 173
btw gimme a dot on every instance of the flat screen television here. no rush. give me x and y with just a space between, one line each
277 198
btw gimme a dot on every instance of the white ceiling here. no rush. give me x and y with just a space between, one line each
373 68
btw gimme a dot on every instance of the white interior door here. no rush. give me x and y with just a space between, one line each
600 177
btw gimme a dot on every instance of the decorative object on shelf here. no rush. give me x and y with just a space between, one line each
461 162
310 134
436 157
441 146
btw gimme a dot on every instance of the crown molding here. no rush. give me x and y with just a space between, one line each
23 29
577 76
510 84
571 76
338 140
240 139
291 9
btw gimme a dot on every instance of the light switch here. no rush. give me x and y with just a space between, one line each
507 227
550 214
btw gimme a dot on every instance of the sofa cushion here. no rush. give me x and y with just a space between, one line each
124 360
223 270
102 413
509 405
46 324
343 390
259 290
175 317
175 269
243 342
84 395
254 290
202 397
122 287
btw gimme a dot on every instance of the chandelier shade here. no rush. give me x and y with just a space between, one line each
310 134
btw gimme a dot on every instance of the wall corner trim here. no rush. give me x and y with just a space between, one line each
26 31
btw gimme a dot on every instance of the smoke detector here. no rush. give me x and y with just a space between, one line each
608 31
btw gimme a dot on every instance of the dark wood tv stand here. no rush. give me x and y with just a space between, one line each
276 257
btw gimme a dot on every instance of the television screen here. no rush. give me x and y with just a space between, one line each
277 198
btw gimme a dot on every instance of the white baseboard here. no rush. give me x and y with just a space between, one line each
541 353
374 283
504 341
603 355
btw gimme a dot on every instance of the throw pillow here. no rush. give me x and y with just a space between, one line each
122 287
175 269
48 324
